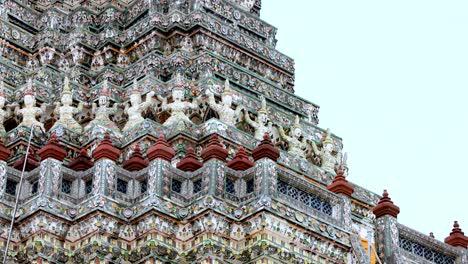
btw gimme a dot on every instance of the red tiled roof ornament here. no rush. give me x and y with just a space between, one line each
136 161
340 184
240 161
161 150
266 149
52 149
385 207
190 162
106 150
214 150
31 164
4 152
457 238
82 162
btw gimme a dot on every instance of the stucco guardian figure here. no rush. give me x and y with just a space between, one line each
297 145
134 108
329 161
30 110
3 113
65 110
224 109
178 107
102 111
262 123
187 44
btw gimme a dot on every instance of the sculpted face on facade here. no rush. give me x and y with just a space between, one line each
187 44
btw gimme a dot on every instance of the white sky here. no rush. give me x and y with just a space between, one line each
390 78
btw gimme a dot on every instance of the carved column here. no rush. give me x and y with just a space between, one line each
52 155
4 155
49 177
344 189
105 156
265 156
104 177
160 156
3 177
266 177
214 155
216 177
158 177
387 239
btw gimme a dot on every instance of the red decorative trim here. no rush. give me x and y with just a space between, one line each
385 207
160 150
240 161
266 149
190 162
106 150
136 161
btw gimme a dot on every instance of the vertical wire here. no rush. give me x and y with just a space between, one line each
13 215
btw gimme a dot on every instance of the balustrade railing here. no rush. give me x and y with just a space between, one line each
420 247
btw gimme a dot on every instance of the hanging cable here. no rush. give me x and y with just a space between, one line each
18 193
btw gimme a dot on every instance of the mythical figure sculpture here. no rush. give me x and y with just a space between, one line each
296 145
262 124
3 113
64 65
3 45
46 55
136 107
77 54
103 111
167 48
328 160
122 59
178 107
187 44
224 110
30 110
32 63
310 113
97 62
67 110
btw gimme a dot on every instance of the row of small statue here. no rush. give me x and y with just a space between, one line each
298 145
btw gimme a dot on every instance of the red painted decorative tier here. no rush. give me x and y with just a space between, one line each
161 150
457 238
385 207
82 162
265 149
136 161
4 152
240 161
31 163
106 150
214 150
52 150
190 162
340 184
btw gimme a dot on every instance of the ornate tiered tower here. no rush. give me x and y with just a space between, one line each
158 131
